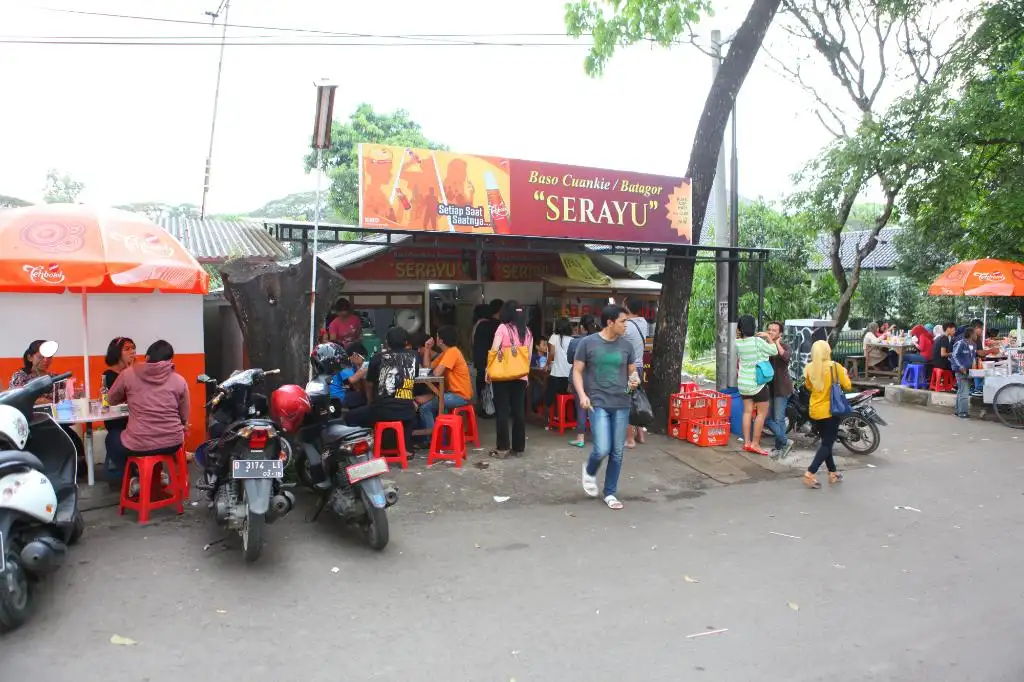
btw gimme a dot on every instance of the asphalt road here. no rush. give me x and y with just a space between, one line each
574 591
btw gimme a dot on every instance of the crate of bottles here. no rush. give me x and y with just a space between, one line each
686 406
708 432
679 428
719 405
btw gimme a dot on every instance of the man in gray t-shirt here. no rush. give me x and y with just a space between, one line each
604 371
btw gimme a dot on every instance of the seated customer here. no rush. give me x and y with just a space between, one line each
876 357
348 385
120 356
450 364
391 377
158 402
34 365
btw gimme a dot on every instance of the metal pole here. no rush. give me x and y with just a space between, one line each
734 266
216 100
316 244
760 293
723 340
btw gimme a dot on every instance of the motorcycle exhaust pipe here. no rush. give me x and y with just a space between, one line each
43 555
390 496
280 504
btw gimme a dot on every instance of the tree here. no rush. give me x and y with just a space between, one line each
271 302
297 206
61 188
12 202
157 211
341 161
626 22
870 47
874 297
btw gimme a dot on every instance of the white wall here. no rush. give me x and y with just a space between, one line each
177 318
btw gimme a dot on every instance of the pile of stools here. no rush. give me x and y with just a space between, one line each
700 417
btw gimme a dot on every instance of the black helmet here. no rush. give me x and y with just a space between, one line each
327 358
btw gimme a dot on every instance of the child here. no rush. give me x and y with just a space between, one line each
347 385
540 354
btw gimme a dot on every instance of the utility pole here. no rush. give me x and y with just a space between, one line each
723 340
224 5
734 242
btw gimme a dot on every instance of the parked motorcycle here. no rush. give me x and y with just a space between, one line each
858 431
333 459
39 514
244 460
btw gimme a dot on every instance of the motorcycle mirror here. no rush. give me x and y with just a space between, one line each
203 379
48 349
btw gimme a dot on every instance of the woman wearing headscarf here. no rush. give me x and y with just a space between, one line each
925 342
819 375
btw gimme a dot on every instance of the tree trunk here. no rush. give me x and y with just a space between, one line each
272 304
677 284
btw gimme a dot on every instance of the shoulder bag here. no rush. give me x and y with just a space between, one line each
763 371
838 404
511 363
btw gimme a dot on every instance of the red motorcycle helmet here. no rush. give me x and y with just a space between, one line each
289 405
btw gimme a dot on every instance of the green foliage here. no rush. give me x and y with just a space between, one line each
619 23
700 330
970 201
874 299
61 188
298 206
12 202
341 161
157 211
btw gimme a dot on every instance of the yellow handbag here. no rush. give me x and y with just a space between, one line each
509 364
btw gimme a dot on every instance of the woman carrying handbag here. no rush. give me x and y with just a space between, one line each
508 371
827 381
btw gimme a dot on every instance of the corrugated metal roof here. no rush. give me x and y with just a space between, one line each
884 256
219 240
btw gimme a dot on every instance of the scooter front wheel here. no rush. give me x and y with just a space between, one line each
15 594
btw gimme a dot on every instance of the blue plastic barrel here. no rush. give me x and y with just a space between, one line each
735 411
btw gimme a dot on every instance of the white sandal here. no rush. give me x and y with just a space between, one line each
612 502
589 482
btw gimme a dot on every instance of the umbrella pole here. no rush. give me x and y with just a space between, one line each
984 323
85 359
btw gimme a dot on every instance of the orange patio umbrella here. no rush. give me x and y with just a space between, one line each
52 248
984 277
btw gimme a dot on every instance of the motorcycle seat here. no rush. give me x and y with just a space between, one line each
10 459
337 432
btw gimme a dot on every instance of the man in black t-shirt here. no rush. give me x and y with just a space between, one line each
944 347
391 376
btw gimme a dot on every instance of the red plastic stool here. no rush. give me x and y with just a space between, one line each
397 455
468 414
448 427
182 459
562 414
942 380
151 496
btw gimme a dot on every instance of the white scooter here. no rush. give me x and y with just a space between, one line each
39 514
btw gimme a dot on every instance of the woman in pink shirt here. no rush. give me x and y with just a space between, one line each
346 328
510 396
158 403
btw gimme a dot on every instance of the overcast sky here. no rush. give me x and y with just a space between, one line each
133 122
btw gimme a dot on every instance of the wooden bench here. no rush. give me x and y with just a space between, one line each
853 363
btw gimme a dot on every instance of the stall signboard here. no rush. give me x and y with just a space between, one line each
522 267
447 266
411 189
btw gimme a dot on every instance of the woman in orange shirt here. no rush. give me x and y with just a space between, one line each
818 377
450 364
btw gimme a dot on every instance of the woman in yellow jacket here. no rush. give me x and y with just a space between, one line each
818 377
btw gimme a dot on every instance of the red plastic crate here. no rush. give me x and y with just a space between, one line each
720 406
708 432
689 406
687 387
678 428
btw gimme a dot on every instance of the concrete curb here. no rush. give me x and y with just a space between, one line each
942 403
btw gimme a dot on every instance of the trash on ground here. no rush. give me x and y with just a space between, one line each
793 606
838 566
709 632
335 569
569 513
476 546
195 504
872 466
221 611
913 509
480 464
785 535
690 580
501 498
431 511
118 640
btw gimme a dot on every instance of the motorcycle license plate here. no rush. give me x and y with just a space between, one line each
365 470
257 468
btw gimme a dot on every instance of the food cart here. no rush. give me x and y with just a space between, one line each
1004 387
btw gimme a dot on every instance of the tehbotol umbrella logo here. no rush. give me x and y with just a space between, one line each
996 276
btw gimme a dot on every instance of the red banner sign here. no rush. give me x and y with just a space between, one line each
418 189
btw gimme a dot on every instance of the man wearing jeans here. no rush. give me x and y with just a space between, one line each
603 374
450 364
781 389
961 361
